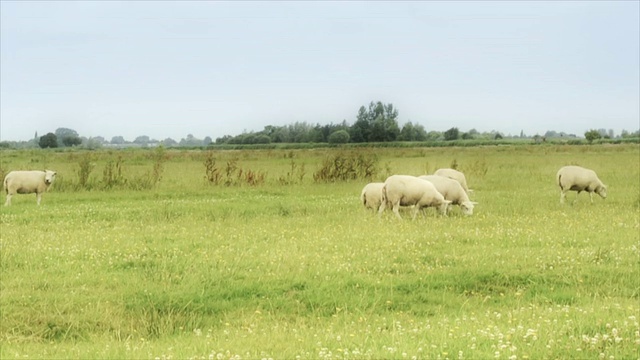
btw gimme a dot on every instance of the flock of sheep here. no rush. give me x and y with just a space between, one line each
445 187
449 187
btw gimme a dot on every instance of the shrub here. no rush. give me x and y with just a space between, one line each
347 166
153 177
233 173
339 137
295 174
212 172
112 174
84 170
592 135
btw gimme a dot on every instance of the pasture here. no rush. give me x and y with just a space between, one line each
146 254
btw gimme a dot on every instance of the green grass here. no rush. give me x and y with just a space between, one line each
190 270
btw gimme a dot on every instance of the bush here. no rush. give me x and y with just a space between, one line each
234 175
84 170
295 174
339 137
212 172
347 166
592 135
112 174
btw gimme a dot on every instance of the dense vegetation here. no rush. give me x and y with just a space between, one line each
373 125
173 253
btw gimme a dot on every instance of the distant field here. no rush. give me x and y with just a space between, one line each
137 254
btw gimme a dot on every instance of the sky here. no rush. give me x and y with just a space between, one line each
213 68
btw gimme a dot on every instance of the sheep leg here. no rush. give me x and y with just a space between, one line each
8 202
396 211
383 206
416 210
39 197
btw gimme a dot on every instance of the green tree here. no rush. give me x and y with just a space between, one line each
377 131
169 142
71 140
62 133
411 132
249 139
142 140
262 139
280 135
407 133
48 141
339 137
93 143
315 135
452 134
420 132
190 141
117 140
433 136
377 123
592 135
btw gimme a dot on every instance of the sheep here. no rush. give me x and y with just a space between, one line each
371 195
453 191
455 175
577 178
28 182
406 190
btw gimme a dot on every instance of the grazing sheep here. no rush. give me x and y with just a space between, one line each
453 191
371 195
405 190
28 182
455 175
577 178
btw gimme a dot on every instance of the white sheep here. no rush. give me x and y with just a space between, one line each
405 190
453 191
577 178
28 182
455 175
371 195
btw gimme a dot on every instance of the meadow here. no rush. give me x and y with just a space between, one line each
252 254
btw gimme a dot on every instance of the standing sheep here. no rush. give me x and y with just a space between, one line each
28 182
453 191
405 190
371 195
577 178
455 175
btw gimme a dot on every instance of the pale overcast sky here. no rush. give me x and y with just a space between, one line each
212 68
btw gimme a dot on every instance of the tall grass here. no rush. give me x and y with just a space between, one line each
301 269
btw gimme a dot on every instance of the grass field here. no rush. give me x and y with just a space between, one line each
130 266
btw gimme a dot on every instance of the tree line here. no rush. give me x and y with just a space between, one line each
377 122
